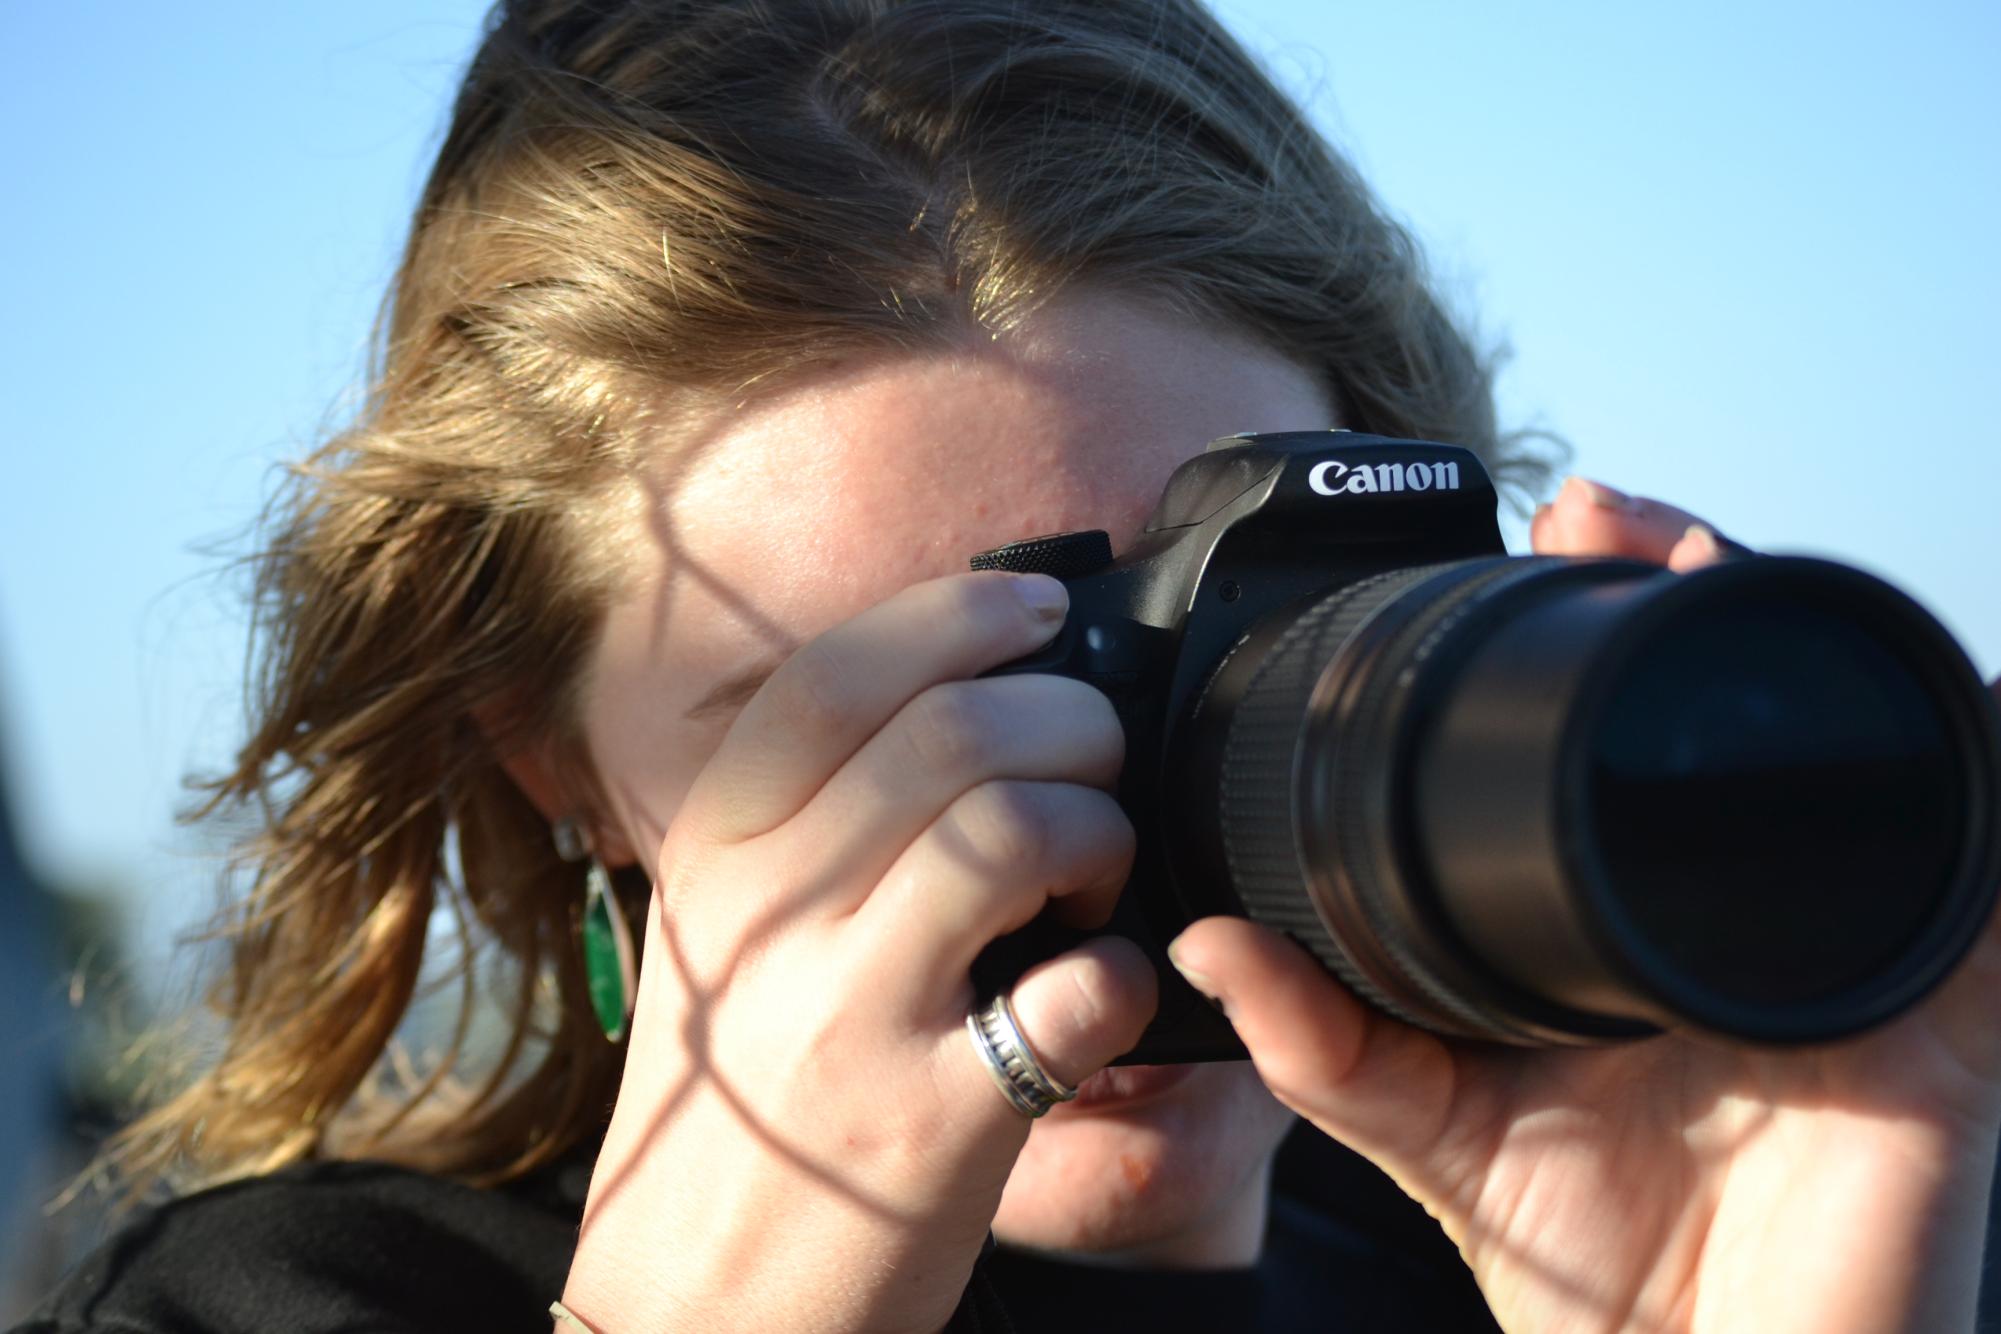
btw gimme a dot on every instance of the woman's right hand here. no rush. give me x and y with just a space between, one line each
804 1138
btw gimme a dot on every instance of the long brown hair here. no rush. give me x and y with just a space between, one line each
642 205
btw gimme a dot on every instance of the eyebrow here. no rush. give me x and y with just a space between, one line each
731 695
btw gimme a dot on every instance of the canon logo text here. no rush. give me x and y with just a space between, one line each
1334 478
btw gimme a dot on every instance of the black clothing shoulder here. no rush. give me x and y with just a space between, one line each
364 1248
332 1246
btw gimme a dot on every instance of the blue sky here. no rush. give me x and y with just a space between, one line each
1745 256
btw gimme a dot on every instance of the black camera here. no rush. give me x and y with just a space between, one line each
1528 800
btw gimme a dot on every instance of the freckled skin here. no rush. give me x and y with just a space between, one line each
801 510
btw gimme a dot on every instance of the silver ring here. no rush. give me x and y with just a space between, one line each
1005 1053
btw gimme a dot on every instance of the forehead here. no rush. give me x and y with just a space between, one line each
804 509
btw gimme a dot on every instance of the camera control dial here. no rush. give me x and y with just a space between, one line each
1064 555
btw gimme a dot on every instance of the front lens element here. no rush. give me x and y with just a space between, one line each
1775 800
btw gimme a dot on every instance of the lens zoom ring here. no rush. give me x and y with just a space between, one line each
1261 839
1360 797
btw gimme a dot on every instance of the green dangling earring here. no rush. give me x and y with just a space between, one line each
611 968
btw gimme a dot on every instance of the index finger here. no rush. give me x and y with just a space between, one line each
1591 519
840 688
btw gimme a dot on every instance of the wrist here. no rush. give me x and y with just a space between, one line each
568 1321
612 1291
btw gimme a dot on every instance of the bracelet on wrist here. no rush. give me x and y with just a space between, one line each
568 1320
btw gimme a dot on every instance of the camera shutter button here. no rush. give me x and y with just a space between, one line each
1064 555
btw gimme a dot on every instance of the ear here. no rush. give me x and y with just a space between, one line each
534 769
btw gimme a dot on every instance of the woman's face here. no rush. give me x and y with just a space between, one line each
820 500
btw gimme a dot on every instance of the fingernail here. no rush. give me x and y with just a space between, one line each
1704 539
1044 596
1199 980
1604 497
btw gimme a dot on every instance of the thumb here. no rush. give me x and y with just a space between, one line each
1379 1086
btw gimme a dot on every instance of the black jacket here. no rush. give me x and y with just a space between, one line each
356 1247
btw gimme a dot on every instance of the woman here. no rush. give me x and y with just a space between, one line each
724 333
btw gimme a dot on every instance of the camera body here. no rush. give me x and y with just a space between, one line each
1253 525
1535 801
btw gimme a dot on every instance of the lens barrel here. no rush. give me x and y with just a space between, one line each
1557 801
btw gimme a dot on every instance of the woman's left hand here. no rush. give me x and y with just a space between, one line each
1674 1184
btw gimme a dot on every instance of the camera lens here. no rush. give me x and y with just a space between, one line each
1552 801
1772 767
